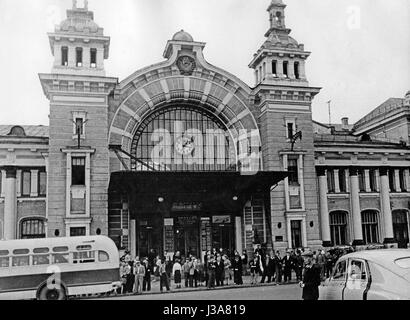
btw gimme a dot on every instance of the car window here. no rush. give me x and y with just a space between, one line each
357 270
339 272
403 263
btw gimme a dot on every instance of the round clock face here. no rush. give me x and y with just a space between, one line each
185 145
186 64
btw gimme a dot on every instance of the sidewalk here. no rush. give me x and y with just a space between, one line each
155 284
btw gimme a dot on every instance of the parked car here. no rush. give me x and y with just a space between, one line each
370 275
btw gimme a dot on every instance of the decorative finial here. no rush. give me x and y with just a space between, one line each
76 7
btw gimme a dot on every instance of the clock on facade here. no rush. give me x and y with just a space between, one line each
185 145
186 64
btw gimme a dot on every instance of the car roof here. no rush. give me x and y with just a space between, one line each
383 257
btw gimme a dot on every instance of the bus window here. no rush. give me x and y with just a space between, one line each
60 249
41 260
21 261
4 253
60 258
21 251
4 262
41 250
84 248
84 257
103 256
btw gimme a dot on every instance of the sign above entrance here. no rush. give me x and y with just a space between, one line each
221 219
186 206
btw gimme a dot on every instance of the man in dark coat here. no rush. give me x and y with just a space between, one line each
287 266
311 278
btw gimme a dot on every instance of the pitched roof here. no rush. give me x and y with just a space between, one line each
30 131
388 107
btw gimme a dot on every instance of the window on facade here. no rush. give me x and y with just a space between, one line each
79 126
64 56
290 127
26 183
296 232
372 179
370 226
264 69
338 228
1 182
362 180
78 172
342 180
42 183
403 187
330 174
77 232
297 74
257 75
79 57
392 180
274 67
293 177
93 58
214 150
285 68
32 228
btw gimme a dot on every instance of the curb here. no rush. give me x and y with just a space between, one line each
184 290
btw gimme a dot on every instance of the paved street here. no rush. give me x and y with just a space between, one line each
266 292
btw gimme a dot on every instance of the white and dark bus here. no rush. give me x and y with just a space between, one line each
56 268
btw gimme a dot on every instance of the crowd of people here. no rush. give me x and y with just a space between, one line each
218 268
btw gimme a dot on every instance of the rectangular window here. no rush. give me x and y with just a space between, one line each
297 75
285 69
42 183
274 67
342 180
293 171
290 128
330 181
1 181
26 183
64 56
93 58
84 257
402 178
362 180
392 180
78 172
79 126
372 177
77 232
79 57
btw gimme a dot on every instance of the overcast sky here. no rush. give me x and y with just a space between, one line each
360 48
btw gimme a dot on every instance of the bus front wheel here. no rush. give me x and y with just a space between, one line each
52 294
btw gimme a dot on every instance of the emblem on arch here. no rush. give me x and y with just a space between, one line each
186 65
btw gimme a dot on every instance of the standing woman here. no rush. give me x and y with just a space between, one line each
176 271
227 269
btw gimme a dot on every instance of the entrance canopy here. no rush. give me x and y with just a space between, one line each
210 190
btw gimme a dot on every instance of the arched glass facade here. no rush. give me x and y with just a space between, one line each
183 138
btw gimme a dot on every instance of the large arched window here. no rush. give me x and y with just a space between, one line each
183 138
338 227
32 228
370 226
